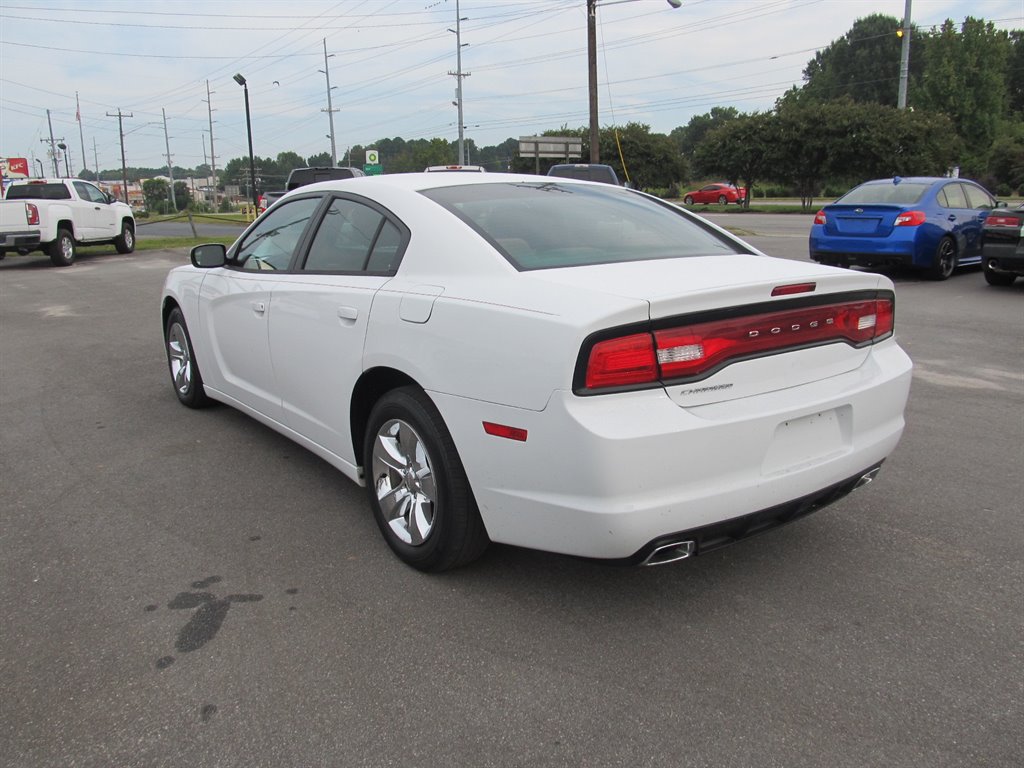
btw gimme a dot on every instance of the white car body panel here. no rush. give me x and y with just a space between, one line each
599 476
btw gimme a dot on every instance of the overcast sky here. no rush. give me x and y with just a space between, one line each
389 64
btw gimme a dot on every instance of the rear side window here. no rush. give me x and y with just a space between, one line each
549 225
38 192
952 196
354 237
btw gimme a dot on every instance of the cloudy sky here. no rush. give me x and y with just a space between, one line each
389 65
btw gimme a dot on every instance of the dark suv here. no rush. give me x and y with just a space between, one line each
585 172
300 177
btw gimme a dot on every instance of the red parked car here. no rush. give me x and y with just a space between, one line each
716 193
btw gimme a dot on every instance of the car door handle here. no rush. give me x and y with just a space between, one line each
348 314
259 307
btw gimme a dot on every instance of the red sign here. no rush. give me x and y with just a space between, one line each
13 168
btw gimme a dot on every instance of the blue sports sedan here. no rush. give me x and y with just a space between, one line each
932 224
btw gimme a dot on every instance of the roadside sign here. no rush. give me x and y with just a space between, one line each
372 157
373 170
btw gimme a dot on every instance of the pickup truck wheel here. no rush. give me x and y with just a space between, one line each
181 362
126 242
62 250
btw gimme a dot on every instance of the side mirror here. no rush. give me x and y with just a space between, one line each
110 198
208 255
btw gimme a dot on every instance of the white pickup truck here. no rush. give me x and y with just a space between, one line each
58 215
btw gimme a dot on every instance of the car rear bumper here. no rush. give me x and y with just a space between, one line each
19 241
1004 257
613 477
859 251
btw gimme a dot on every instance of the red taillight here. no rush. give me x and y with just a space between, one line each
1002 221
697 350
31 213
819 217
622 362
910 219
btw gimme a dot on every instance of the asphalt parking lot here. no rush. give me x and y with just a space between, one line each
190 588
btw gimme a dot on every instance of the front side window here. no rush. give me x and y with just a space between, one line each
89 192
553 224
978 198
272 242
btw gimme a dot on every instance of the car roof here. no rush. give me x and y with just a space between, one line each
420 181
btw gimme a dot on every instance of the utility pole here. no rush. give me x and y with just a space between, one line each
124 167
170 168
901 99
330 110
96 158
81 138
53 146
213 159
595 138
459 75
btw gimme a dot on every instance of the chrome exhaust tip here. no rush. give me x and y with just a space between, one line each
866 478
672 552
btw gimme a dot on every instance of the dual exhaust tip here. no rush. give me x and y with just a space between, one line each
683 549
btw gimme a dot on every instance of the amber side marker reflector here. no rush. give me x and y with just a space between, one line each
789 290
503 430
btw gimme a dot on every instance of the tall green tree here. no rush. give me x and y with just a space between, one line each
863 65
643 158
688 136
739 150
966 80
155 192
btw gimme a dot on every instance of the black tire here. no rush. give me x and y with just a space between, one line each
998 278
62 249
944 261
181 362
723 200
688 200
125 242
410 462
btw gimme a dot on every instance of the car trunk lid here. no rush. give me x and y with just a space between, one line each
861 220
786 305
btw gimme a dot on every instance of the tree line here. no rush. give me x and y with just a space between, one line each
965 90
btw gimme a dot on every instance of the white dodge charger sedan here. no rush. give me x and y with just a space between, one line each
554 364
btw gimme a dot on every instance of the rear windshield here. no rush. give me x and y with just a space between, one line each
304 176
38 192
584 173
549 225
885 193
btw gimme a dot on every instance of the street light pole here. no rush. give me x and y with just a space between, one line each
248 127
595 154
